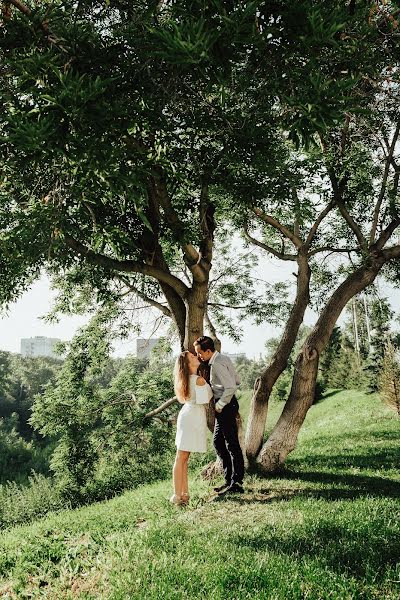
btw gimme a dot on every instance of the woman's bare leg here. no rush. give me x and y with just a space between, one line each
185 483
178 472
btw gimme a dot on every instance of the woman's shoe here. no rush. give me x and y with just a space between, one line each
176 499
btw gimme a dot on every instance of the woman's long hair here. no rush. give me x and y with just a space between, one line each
182 377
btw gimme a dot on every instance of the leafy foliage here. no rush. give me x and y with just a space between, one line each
104 443
103 101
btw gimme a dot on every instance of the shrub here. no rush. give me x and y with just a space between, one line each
17 456
22 503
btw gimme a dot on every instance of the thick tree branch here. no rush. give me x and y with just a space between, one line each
193 257
379 201
207 224
318 222
274 223
21 6
385 235
338 187
262 389
353 225
272 251
391 253
126 266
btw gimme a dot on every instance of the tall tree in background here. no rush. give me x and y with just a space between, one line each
381 316
330 359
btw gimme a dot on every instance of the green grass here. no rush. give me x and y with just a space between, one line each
328 527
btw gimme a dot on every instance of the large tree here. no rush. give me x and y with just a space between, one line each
347 207
128 125
117 129
131 127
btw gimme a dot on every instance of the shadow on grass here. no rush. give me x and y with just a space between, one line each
343 487
326 395
358 485
336 486
365 450
332 544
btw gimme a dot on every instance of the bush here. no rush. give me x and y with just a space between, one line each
320 388
22 503
17 456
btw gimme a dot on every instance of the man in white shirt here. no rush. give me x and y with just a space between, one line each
224 382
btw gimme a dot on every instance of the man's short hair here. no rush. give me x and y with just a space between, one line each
205 343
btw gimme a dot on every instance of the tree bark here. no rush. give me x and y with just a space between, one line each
175 302
265 383
196 304
283 437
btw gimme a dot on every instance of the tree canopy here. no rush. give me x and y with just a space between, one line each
127 126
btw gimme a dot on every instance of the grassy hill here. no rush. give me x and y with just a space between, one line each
328 527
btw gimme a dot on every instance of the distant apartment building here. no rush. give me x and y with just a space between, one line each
39 346
145 346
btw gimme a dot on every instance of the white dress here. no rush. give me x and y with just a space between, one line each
191 427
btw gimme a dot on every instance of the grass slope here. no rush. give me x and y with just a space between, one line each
328 527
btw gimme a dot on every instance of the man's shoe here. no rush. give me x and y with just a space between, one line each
234 488
220 488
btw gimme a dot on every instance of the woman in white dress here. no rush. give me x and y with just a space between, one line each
191 429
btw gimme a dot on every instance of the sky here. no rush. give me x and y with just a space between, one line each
23 319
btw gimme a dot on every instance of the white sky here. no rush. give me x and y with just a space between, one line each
24 318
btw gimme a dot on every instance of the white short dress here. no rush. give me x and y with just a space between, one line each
191 427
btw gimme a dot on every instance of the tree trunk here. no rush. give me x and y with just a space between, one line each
264 384
195 303
284 435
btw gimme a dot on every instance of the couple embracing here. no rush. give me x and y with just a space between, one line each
194 391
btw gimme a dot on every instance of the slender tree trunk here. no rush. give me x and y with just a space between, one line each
355 329
283 437
367 322
264 384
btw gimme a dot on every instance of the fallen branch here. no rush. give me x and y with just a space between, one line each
162 407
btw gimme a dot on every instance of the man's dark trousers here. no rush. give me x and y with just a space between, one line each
226 442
